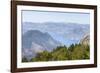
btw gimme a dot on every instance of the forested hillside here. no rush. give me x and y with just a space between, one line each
73 52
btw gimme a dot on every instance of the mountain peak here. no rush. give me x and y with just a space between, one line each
36 41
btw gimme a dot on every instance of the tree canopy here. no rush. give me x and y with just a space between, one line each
73 52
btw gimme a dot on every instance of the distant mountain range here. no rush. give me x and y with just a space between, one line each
52 26
37 37
66 33
34 41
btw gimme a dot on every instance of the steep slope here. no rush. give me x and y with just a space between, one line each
34 41
85 40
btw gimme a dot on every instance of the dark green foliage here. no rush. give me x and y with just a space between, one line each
42 56
71 48
73 52
80 52
24 59
60 53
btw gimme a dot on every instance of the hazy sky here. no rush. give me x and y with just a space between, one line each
48 16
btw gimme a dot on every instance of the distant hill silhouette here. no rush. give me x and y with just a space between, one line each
67 33
34 41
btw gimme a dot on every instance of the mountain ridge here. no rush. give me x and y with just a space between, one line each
34 41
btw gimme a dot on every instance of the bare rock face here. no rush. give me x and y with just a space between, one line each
85 40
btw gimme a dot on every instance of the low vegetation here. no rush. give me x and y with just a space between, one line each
73 52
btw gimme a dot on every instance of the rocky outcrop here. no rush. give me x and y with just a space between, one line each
85 40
